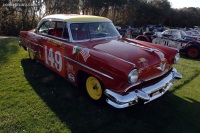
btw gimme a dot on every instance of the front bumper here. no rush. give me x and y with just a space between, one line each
146 94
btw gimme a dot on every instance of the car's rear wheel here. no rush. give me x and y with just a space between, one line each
193 52
31 54
94 88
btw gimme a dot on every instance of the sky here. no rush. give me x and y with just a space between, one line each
184 3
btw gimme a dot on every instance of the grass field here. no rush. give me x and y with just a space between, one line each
35 99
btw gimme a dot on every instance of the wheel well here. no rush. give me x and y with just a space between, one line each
82 75
192 45
142 38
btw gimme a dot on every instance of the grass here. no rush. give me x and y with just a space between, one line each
35 99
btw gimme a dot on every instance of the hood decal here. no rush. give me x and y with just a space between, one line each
143 63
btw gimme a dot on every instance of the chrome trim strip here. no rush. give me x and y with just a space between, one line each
36 44
33 43
89 68
146 94
122 59
22 37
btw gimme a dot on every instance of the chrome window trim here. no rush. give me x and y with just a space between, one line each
54 37
87 67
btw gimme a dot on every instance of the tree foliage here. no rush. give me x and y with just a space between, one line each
132 12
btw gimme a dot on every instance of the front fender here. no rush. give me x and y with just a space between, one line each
112 66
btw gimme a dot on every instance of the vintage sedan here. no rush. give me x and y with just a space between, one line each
177 39
89 52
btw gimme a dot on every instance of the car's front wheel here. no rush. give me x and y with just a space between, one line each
94 88
193 52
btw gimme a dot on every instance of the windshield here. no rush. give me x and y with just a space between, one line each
85 31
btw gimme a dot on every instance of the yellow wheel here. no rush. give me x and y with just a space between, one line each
31 54
94 88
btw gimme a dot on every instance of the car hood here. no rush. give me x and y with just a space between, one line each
150 62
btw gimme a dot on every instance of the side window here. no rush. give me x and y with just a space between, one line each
44 28
79 31
52 28
58 30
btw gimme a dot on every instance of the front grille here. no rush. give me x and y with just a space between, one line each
149 83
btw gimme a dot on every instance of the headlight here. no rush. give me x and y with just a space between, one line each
176 58
133 76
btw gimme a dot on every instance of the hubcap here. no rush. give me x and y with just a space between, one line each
94 88
193 52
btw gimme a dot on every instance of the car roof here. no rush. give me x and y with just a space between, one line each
77 18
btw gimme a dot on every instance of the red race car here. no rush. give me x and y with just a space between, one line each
89 52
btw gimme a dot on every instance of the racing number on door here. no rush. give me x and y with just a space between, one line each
53 59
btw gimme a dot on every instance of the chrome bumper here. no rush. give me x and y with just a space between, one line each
146 94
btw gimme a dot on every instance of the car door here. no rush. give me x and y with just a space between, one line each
52 45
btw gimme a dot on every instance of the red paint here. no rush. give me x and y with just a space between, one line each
112 57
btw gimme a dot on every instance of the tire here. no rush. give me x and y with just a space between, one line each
94 88
31 54
193 52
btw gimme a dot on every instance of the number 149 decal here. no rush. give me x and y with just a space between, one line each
53 59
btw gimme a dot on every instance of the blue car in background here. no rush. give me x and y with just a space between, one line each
175 38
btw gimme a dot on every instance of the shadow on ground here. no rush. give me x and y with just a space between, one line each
8 48
166 114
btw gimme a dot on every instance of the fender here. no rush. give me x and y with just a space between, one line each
190 43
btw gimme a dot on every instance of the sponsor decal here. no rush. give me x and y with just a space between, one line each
70 68
71 77
143 63
76 49
54 42
84 52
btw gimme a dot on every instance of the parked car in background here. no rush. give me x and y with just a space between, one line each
89 52
125 31
155 28
176 39
194 33
129 32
